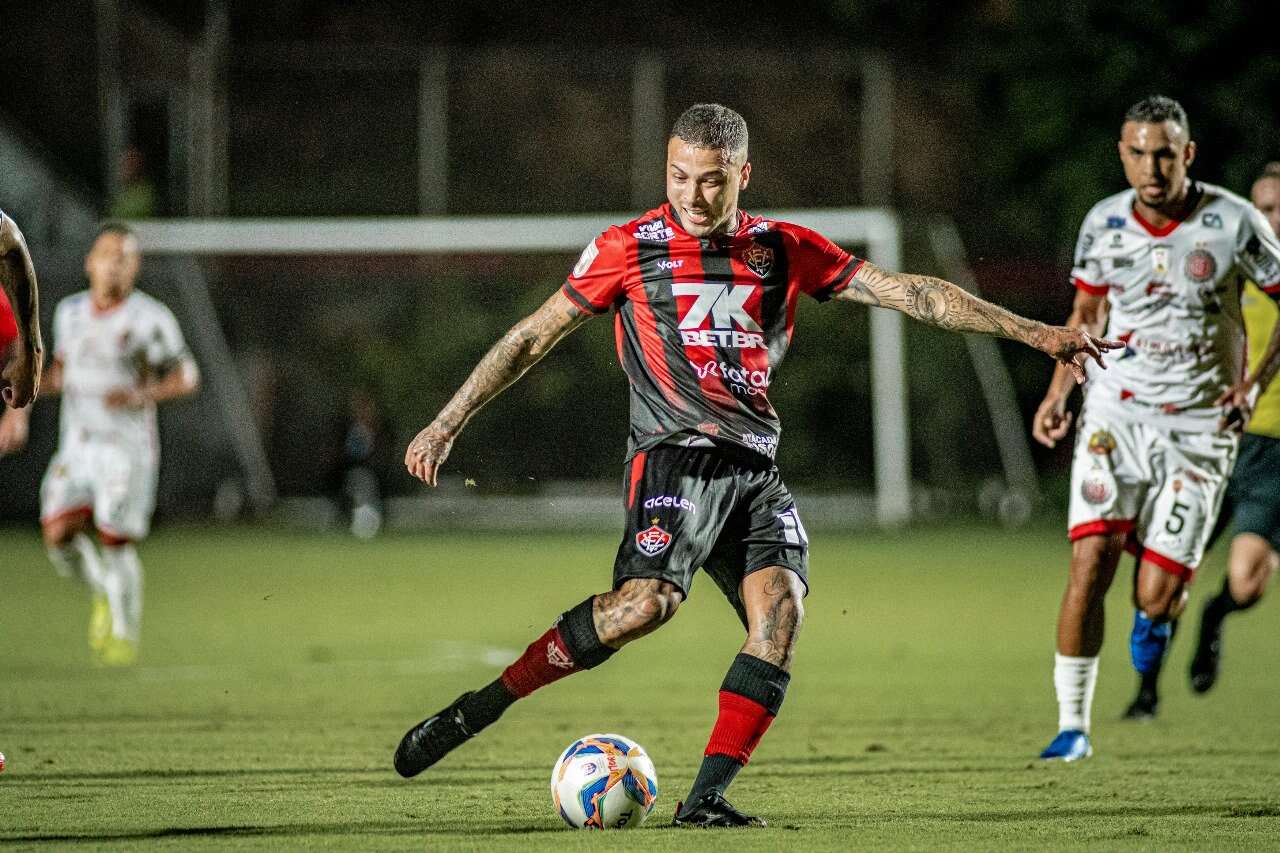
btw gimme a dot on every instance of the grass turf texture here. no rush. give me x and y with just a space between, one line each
280 669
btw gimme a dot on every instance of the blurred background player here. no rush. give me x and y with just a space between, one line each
21 350
704 297
1160 267
117 352
1254 495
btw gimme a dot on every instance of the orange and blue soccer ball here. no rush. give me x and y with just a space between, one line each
604 782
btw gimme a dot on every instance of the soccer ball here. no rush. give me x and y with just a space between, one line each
604 782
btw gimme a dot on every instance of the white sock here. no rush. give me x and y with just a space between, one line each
79 559
124 590
1074 680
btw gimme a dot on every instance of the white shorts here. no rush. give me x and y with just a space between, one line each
1163 488
110 482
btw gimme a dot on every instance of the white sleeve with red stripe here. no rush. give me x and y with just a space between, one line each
1086 271
1258 251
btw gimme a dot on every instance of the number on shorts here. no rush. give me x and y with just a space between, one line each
1175 514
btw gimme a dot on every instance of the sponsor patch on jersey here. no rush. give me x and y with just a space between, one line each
654 232
759 227
1160 259
759 259
1101 443
1211 220
1200 266
653 541
1115 221
1096 488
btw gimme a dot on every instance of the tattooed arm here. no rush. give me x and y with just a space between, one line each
940 303
1052 421
519 349
20 379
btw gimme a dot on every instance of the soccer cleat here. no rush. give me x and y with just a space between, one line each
99 624
1208 657
118 651
432 739
713 810
1143 707
1069 745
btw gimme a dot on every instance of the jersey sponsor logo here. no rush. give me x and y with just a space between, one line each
670 502
653 541
759 228
1200 266
725 307
654 232
585 260
709 428
1115 221
1121 263
670 265
759 259
751 382
1211 220
1160 259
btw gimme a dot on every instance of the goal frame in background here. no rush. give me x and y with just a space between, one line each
876 229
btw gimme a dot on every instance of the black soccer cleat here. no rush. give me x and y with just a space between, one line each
1208 657
1143 707
713 810
432 739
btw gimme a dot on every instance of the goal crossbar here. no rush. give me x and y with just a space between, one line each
876 229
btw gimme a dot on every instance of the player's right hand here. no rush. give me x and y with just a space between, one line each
1052 421
427 453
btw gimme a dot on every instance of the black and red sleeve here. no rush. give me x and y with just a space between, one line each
821 268
598 279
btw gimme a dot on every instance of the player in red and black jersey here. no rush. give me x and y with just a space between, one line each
21 352
704 298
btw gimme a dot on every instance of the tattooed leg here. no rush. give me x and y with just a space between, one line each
775 610
640 606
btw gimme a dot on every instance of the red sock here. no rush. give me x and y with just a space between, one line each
739 727
546 660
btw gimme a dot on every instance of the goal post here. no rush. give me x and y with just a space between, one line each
876 231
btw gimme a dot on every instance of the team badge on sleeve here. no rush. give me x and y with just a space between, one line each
653 541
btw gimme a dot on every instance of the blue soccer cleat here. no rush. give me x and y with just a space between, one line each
1069 745
1147 642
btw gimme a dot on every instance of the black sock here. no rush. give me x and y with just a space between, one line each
716 773
1222 604
486 705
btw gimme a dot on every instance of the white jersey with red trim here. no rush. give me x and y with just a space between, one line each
1174 299
102 351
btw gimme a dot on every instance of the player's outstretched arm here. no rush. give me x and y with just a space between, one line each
519 349
21 374
1052 421
942 304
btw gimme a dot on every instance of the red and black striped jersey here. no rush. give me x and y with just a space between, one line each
702 324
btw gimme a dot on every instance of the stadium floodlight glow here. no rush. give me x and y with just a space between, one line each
876 229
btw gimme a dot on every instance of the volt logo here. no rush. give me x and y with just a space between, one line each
726 304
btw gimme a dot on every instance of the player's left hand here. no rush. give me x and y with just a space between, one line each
1074 348
1237 405
14 428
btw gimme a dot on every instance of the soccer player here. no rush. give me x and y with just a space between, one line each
1160 265
117 353
1255 484
21 350
704 297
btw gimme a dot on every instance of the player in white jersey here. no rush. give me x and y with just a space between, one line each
1161 266
117 352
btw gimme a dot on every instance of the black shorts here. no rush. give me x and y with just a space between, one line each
721 509
1255 488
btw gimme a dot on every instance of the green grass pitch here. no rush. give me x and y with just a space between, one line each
280 669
